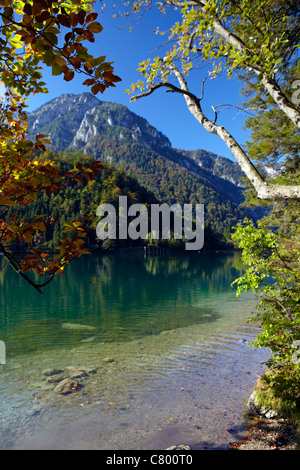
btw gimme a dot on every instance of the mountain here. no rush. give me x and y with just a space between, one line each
217 165
75 121
111 132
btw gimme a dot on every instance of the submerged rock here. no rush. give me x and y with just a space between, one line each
76 326
108 359
180 447
78 374
52 371
88 340
87 370
66 386
52 379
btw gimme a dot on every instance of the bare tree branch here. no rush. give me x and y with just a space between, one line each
229 105
14 264
172 88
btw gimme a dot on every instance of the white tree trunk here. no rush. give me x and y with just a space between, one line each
265 190
270 86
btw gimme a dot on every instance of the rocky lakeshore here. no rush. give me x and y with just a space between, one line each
266 430
123 394
68 381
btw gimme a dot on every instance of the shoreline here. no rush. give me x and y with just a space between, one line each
267 434
266 430
188 418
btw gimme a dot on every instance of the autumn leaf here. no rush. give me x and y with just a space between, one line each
95 27
64 20
69 75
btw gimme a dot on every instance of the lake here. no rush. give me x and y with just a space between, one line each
158 346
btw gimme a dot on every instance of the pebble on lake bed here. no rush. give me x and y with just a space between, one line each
180 447
108 359
78 374
52 379
53 371
66 386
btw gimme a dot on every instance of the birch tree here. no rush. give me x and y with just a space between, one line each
232 36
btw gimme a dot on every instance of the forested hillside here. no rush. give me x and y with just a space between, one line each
79 200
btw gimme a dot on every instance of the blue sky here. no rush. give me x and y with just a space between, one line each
165 111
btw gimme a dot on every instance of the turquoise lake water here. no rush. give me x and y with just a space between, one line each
164 342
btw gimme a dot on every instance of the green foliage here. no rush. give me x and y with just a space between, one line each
259 36
81 199
271 253
271 249
274 138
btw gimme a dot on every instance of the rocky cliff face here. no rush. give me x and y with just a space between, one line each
217 165
98 120
61 117
72 121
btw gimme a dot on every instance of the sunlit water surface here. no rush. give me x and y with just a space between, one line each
165 342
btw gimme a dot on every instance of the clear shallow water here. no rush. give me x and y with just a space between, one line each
181 368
